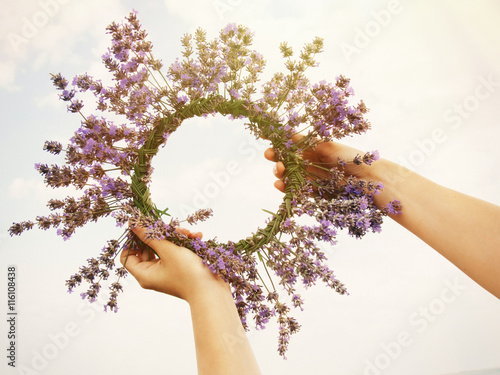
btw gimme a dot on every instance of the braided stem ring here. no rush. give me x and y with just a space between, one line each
260 122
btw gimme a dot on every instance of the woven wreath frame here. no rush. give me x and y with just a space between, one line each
284 246
295 172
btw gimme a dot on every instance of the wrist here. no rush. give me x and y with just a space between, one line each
209 291
390 175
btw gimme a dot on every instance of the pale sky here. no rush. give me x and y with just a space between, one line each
429 72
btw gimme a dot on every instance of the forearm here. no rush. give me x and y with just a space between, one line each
463 229
221 343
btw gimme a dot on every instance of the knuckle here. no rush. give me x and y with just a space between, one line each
145 284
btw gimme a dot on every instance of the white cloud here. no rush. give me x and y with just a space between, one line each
21 188
214 14
49 101
27 25
35 190
199 9
8 71
50 32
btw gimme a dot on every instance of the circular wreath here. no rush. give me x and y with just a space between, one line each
111 163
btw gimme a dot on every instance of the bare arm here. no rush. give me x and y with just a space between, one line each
465 230
221 344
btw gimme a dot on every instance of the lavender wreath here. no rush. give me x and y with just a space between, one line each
214 77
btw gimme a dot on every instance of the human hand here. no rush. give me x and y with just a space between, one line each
176 271
324 155
179 272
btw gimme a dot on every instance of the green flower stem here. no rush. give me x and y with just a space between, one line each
261 123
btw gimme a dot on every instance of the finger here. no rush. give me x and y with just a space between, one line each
188 233
195 235
146 255
139 269
125 255
279 170
280 185
328 152
297 137
161 248
131 259
269 154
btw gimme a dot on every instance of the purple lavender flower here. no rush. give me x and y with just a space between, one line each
394 207
231 28
110 163
370 157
